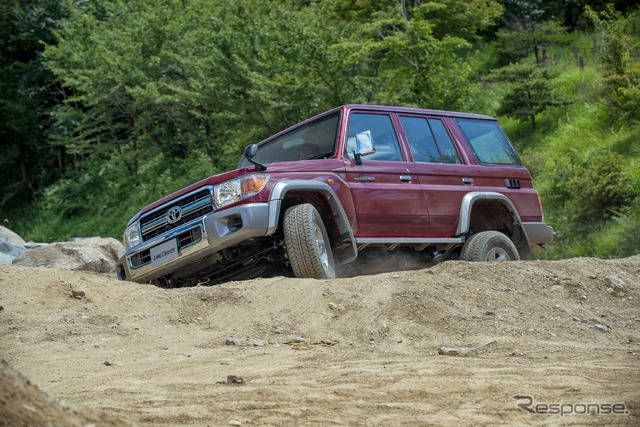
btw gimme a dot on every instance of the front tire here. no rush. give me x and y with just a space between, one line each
489 246
307 243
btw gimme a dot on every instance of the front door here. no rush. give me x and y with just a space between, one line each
387 195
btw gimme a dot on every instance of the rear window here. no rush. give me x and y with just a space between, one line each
489 142
429 140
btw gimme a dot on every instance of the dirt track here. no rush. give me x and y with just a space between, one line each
357 351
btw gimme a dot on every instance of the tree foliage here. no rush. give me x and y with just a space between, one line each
211 76
200 75
531 91
536 38
621 61
419 54
27 90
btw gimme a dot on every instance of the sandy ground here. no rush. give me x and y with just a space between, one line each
449 345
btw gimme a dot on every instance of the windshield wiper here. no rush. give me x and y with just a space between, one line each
321 155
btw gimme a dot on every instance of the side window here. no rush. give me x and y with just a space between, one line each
381 132
429 140
488 141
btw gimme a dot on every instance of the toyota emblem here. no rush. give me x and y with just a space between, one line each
174 214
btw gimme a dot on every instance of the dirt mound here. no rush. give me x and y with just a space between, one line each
481 344
24 404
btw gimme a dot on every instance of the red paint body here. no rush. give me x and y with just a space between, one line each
400 198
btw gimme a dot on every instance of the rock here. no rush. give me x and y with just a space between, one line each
235 380
457 351
463 351
278 330
6 259
10 236
616 286
108 362
600 327
94 254
258 343
231 341
234 423
10 250
78 294
518 353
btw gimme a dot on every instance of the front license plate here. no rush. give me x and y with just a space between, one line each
163 253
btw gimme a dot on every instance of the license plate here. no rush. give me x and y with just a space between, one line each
164 253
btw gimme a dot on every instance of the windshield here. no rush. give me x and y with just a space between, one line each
315 140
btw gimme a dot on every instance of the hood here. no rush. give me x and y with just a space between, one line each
212 180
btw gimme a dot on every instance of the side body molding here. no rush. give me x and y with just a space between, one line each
278 193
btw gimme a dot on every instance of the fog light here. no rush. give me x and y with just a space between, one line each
234 223
121 274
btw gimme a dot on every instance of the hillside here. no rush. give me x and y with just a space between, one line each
96 124
449 345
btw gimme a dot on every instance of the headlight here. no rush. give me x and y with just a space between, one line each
235 190
132 236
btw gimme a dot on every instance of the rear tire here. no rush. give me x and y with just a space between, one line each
489 246
307 243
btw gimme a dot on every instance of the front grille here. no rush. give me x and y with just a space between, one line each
193 206
185 240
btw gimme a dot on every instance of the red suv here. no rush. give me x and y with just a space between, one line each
354 180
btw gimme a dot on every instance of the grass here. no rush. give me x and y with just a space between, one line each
100 201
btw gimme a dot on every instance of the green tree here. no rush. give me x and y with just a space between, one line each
134 72
525 13
405 54
620 60
530 91
205 75
27 92
520 41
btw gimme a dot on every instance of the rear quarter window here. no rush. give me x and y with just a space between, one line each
489 142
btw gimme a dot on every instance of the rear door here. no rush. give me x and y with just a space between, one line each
442 170
387 195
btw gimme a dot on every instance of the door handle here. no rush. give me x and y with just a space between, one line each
405 178
467 180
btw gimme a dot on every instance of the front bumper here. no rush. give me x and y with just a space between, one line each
196 240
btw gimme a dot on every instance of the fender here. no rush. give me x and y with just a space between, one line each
278 193
520 238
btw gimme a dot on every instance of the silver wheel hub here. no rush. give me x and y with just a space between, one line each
321 248
498 254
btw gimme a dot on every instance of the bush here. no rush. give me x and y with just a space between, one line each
600 187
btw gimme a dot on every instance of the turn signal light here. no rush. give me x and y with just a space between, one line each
253 184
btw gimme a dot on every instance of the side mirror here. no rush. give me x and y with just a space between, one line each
364 146
249 152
